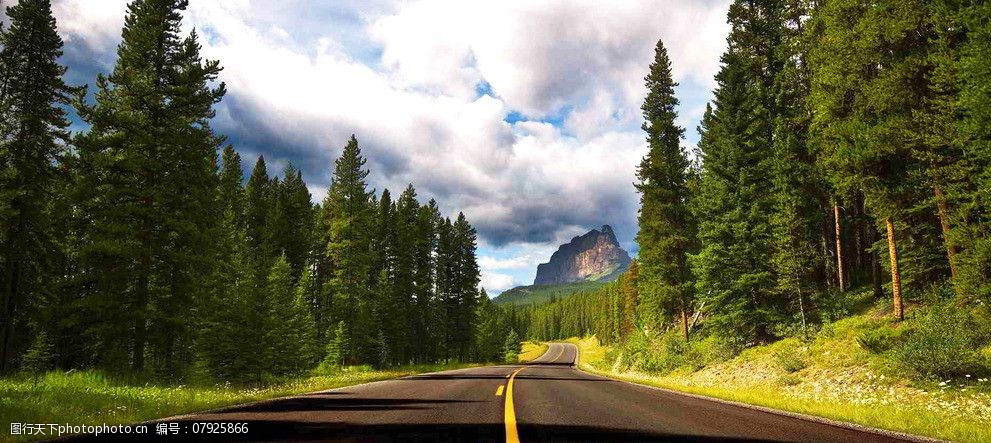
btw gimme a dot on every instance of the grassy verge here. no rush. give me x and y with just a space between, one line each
852 393
531 351
91 398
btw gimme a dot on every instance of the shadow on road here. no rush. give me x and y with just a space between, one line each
521 376
556 363
300 431
318 403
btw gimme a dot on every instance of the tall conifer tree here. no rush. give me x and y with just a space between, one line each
349 248
667 231
733 267
32 142
147 187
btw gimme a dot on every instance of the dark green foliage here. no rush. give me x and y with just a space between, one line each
40 357
799 196
146 190
579 315
524 295
32 131
733 267
136 253
336 348
350 225
491 332
290 221
302 327
667 229
512 346
880 107
973 74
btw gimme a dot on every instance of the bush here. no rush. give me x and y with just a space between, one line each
945 341
511 351
878 340
791 360
710 350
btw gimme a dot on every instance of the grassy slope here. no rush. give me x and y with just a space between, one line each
523 295
91 398
836 379
531 351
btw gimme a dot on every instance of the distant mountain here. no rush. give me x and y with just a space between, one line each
583 264
595 256
524 295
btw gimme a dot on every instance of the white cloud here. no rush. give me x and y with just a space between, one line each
402 76
496 283
542 55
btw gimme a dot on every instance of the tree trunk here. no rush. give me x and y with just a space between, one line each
8 314
141 316
896 278
876 275
824 233
684 321
951 249
839 245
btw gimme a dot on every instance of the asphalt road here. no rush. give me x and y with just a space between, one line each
546 400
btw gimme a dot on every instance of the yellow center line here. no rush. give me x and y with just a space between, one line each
499 391
510 412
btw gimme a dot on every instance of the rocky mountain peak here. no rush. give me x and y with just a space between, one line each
595 256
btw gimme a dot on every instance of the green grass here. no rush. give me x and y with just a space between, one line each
523 295
532 351
836 379
91 398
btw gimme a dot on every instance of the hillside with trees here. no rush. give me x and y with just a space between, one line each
137 247
831 225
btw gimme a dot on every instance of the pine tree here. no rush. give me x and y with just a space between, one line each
231 187
40 357
428 321
337 346
258 205
32 135
628 295
491 331
512 346
349 249
465 285
973 74
798 190
666 233
292 220
303 324
389 287
733 269
280 331
147 187
871 66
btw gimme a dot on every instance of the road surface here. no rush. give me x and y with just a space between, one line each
546 400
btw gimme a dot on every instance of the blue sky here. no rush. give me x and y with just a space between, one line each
523 114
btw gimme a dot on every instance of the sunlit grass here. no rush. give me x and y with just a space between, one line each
91 398
838 384
532 351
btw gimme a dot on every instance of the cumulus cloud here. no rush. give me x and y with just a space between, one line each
427 87
496 282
